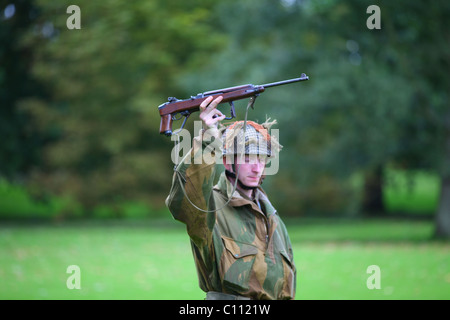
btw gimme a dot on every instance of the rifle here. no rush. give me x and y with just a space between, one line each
175 106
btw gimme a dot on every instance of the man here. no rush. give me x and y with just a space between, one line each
240 245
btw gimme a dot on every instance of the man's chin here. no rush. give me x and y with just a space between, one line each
252 183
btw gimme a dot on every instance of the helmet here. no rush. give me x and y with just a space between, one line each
256 139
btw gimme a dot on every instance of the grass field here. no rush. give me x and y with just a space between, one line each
153 260
148 259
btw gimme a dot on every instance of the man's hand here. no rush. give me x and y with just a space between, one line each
209 114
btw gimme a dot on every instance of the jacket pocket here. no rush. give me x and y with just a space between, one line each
289 270
236 264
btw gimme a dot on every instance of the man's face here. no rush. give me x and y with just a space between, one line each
250 169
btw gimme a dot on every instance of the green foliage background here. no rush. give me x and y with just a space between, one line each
79 107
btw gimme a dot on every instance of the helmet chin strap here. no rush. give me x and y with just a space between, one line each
232 175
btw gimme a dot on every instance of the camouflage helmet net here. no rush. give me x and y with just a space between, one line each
256 141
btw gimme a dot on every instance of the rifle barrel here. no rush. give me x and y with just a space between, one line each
303 77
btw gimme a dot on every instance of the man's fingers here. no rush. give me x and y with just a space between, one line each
208 105
218 115
215 102
205 103
209 114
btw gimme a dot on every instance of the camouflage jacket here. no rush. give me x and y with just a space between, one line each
241 248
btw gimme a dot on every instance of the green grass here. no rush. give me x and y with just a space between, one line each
150 260
334 258
115 262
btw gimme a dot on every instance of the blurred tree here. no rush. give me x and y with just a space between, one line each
376 97
413 44
19 149
322 123
413 49
107 80
399 112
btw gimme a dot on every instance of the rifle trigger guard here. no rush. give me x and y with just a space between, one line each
184 114
175 118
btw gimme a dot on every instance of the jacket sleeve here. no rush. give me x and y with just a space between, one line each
192 184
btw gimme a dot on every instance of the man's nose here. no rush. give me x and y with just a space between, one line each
256 167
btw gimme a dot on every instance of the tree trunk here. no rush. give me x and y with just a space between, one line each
373 192
442 227
442 224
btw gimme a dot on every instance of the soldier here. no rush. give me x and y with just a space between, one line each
240 245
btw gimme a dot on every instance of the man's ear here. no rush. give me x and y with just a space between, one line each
226 164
